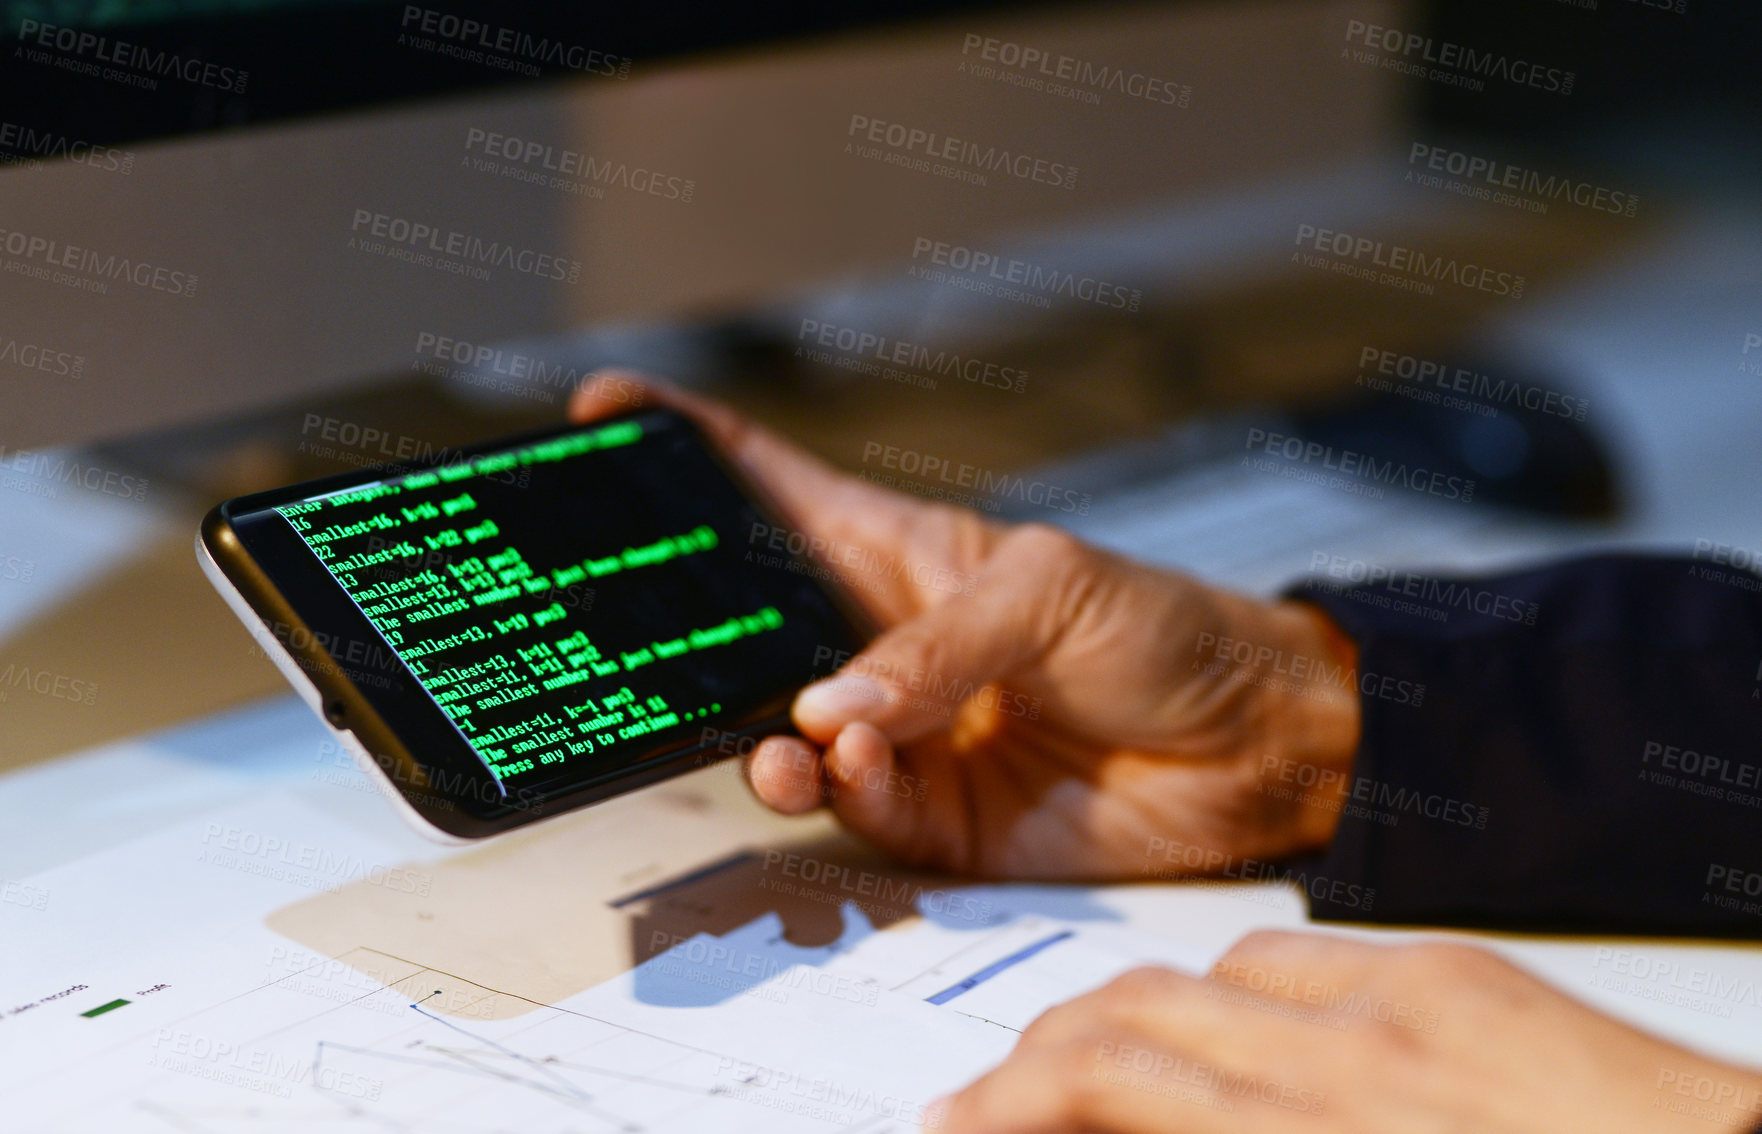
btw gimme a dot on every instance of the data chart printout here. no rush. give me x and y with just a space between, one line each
579 603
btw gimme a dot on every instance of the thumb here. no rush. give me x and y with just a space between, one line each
909 681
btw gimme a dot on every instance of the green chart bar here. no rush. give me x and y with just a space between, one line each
103 1008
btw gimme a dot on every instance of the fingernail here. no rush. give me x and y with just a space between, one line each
937 1113
838 700
780 754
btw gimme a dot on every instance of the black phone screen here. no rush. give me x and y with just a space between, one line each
573 606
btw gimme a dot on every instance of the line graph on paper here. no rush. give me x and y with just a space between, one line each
432 1052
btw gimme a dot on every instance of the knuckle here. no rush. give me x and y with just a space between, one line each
1045 544
1452 959
1040 1030
1265 943
1066 575
914 654
1127 993
1055 1023
1143 979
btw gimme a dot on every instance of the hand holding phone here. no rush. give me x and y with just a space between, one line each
537 624
1033 706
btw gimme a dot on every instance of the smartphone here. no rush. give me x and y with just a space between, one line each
512 631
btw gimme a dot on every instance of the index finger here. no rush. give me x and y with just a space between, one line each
794 478
895 552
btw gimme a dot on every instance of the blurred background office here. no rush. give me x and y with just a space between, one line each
1069 262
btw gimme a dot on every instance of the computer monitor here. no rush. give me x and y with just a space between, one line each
215 207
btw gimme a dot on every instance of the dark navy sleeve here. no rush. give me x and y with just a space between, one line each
1585 753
